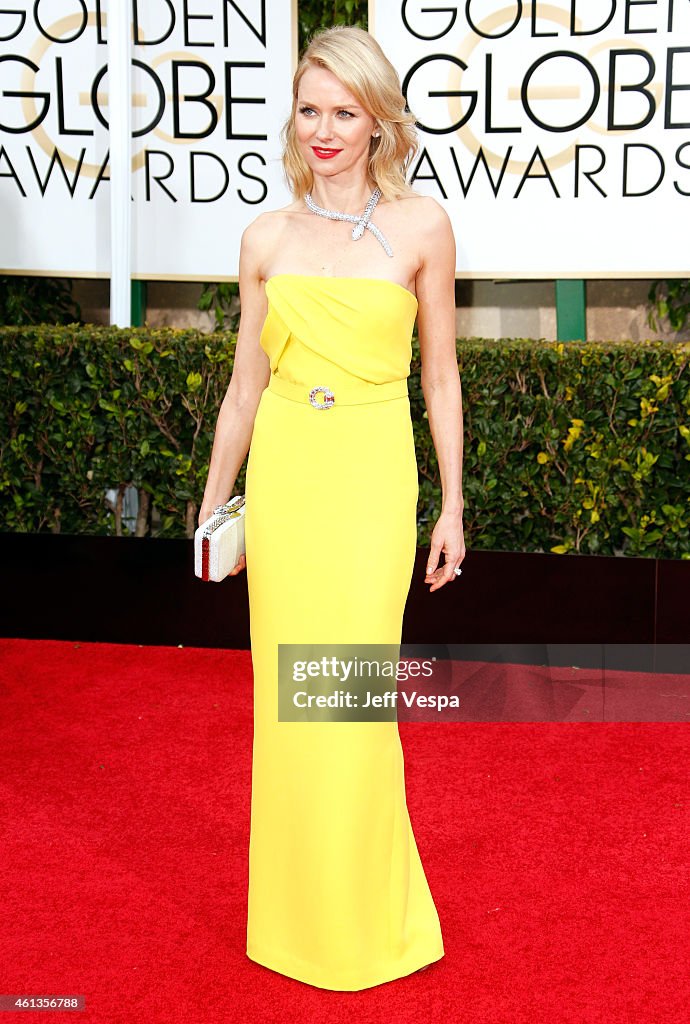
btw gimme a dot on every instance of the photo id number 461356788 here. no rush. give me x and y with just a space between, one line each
42 1002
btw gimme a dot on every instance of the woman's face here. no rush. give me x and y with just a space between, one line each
333 131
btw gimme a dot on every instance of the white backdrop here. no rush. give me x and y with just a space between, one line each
556 135
210 93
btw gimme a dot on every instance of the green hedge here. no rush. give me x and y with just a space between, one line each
571 447
317 14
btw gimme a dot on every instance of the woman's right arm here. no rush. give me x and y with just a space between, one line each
250 376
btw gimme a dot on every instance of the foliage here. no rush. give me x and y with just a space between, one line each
670 301
577 447
32 300
317 14
570 448
223 299
88 409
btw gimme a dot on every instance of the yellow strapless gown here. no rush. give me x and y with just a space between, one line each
337 894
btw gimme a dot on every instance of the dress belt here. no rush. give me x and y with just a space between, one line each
322 397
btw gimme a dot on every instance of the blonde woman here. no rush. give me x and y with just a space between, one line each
330 288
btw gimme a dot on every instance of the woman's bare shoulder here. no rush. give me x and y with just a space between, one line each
262 235
423 225
431 225
267 222
425 209
419 215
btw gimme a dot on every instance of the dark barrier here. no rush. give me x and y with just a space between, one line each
127 590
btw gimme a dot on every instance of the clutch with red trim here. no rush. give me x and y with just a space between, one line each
219 542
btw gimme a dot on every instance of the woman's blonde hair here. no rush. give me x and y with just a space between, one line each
357 60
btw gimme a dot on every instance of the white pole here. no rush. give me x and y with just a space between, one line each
119 107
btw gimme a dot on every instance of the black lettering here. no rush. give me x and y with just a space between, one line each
260 33
590 31
158 178
158 114
231 100
452 11
56 159
200 97
670 15
98 78
138 41
159 89
442 92
192 171
20 94
101 176
681 163
496 35
11 173
62 127
613 125
527 176
528 78
481 159
62 39
589 174
100 38
22 22
671 88
636 3
626 166
186 18
251 177
535 34
488 127
433 176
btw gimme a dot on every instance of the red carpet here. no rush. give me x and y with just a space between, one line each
556 853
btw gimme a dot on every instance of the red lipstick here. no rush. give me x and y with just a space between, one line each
325 154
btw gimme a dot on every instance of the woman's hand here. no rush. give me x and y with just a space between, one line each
205 512
447 537
242 564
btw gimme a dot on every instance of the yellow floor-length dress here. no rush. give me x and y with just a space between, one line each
338 897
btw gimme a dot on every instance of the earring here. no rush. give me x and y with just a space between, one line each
376 135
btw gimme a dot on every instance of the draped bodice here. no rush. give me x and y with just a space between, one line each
353 326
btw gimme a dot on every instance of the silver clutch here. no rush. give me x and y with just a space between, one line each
219 542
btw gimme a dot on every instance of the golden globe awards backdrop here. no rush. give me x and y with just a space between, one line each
210 89
556 135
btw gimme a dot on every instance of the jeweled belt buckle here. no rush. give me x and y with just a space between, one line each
328 400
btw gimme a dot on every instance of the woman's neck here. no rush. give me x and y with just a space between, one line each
345 197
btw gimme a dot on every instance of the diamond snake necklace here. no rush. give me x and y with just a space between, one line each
361 223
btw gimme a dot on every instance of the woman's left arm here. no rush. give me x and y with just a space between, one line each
441 386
